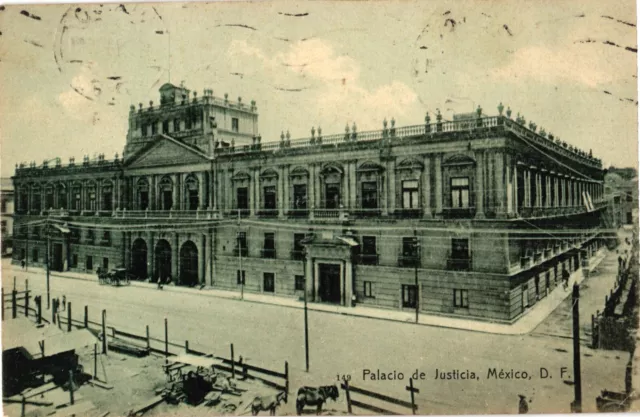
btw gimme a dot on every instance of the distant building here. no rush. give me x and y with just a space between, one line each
452 218
622 193
6 214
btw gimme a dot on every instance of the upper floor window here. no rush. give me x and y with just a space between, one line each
176 125
270 197
460 192
235 124
242 196
369 195
409 247
154 128
145 129
332 196
75 202
3 208
165 127
410 194
300 196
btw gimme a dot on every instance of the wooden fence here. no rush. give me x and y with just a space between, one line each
366 404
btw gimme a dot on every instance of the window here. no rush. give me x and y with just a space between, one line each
74 260
461 298
410 194
332 196
145 129
409 296
629 197
62 198
369 253
269 282
34 255
107 199
48 199
235 124
194 199
3 209
90 236
88 264
270 197
105 264
298 248
409 247
75 235
154 128
299 282
106 237
165 127
269 250
460 192
300 196
242 197
75 203
368 289
460 248
143 195
369 195
4 227
176 125
241 244
240 276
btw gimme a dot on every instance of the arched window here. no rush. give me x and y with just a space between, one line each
107 195
191 191
90 201
142 191
36 199
48 197
76 197
166 193
62 196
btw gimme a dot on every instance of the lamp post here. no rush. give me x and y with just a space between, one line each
240 271
306 318
417 255
48 261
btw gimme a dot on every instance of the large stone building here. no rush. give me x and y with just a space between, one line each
473 217
6 214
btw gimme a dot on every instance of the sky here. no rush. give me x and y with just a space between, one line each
68 74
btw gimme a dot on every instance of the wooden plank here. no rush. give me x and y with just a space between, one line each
149 404
380 397
265 371
130 335
373 408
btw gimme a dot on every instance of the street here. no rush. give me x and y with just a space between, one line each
372 352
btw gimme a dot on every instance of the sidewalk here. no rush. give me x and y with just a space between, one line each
531 319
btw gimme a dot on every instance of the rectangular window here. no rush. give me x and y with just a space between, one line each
194 200
369 195
460 248
235 124
410 194
299 282
409 296
88 264
242 197
107 200
270 197
298 248
176 125
368 289
90 236
460 192
48 203
167 199
3 209
241 244
269 250
76 199
165 127
409 247
332 196
34 255
369 254
145 129
269 282
300 196
461 298
240 277
106 237
154 128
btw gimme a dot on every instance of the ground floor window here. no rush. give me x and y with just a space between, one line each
74 260
461 298
88 265
240 275
409 296
34 255
269 282
299 282
368 289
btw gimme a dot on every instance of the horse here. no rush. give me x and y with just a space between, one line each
315 396
268 403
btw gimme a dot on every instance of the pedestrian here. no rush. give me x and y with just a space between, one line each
523 407
565 278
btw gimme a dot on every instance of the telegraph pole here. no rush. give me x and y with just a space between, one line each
241 272
417 247
577 403
48 261
306 317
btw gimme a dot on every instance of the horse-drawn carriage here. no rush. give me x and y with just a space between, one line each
116 277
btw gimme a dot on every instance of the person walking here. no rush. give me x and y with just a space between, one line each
565 278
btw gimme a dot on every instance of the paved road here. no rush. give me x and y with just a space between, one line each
267 335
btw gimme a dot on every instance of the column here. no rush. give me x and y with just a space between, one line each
201 259
527 186
228 190
175 259
438 174
213 190
538 189
176 204
480 190
286 188
311 192
501 201
514 187
392 185
202 197
426 187
352 186
281 203
98 195
115 194
151 255
348 282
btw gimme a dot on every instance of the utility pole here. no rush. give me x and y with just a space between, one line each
26 254
576 406
306 317
241 272
417 254
48 261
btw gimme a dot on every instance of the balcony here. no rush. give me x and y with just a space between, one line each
459 264
268 253
268 213
362 212
168 214
297 254
298 213
367 259
408 213
327 213
408 261
240 251
458 212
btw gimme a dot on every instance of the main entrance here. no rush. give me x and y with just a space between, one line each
163 260
139 259
189 264
329 283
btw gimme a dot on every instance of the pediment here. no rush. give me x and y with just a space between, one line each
166 151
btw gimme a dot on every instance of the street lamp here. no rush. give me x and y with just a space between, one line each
416 245
306 318
240 271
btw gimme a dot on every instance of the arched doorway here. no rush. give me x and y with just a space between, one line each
189 264
139 259
163 261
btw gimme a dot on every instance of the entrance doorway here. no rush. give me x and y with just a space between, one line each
139 259
189 264
329 283
57 263
163 261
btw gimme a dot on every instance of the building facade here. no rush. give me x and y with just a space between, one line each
6 214
474 217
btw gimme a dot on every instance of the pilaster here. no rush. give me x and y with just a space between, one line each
480 189
426 187
438 174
